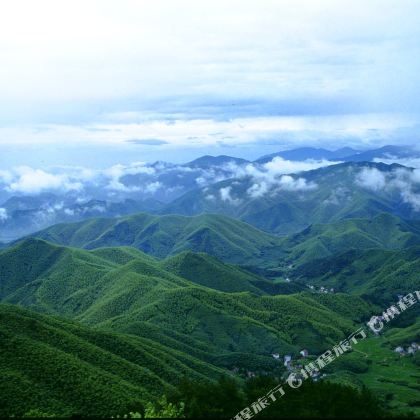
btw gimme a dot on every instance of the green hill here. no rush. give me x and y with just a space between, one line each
376 275
111 313
161 236
383 231
405 335
144 322
63 368
393 379
141 295
208 271
236 242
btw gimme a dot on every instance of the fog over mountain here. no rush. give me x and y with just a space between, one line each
33 199
210 209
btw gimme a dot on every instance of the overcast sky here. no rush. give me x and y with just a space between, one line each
145 80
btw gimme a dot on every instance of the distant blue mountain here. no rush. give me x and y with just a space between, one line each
346 154
305 153
207 161
385 152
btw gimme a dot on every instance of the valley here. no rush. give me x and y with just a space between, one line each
133 304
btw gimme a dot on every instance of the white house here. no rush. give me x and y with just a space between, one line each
304 353
411 350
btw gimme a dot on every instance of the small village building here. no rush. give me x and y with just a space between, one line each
287 360
411 350
304 353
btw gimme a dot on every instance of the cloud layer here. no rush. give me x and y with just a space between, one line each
141 179
163 75
402 181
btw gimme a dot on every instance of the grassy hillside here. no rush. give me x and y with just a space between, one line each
141 295
374 364
378 275
234 241
144 322
404 336
112 313
383 231
208 271
161 236
63 368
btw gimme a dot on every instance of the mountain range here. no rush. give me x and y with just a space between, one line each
105 312
285 204
163 187
234 241
345 154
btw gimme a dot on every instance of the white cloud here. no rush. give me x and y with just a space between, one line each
153 187
338 196
277 184
35 181
258 189
266 178
58 206
408 183
372 179
136 168
5 177
404 181
226 195
137 177
288 183
116 172
201 181
165 48
95 208
182 71
116 185
3 214
411 198
282 166
187 131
